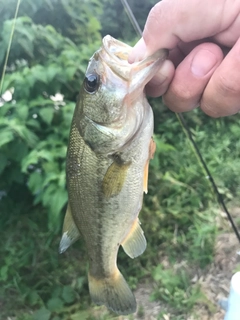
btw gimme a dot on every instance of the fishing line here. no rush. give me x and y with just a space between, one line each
188 133
205 167
9 45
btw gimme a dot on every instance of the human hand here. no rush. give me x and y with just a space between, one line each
204 61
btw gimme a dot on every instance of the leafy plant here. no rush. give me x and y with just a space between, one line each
35 120
52 44
175 288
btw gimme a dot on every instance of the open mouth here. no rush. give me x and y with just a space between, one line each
118 50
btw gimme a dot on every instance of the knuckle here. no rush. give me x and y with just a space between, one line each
179 98
227 86
216 108
182 93
210 109
221 97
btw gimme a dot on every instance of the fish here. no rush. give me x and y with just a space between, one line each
110 146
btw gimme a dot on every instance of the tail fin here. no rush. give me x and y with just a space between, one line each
113 292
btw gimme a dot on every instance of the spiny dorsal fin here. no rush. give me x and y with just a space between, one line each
70 232
114 178
152 148
135 243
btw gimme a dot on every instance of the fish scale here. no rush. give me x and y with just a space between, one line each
110 146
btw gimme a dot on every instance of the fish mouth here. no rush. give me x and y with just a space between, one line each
115 54
117 50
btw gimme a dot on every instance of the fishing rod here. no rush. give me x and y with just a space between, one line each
188 133
9 45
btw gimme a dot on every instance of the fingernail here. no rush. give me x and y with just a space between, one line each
203 62
138 52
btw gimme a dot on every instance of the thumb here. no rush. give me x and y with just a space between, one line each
173 21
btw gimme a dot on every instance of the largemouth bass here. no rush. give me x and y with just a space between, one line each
107 167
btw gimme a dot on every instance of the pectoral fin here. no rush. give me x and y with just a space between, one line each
70 231
114 179
135 243
152 148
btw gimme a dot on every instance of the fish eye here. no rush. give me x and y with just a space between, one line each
91 82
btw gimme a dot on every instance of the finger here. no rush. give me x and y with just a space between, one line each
183 49
222 94
139 52
173 21
176 56
230 35
160 82
192 76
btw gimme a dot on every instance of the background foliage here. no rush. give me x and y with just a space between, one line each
52 43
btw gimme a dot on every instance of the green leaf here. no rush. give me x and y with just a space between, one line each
68 294
24 132
42 314
83 315
47 114
15 175
70 71
22 112
35 182
17 150
59 199
34 124
4 273
27 46
33 297
55 199
6 136
39 73
31 159
34 157
54 304
3 162
52 71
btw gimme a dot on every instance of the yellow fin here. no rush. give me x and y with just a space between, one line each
152 148
113 292
70 232
114 178
135 243
145 178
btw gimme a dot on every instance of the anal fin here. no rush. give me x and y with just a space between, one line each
70 232
135 243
